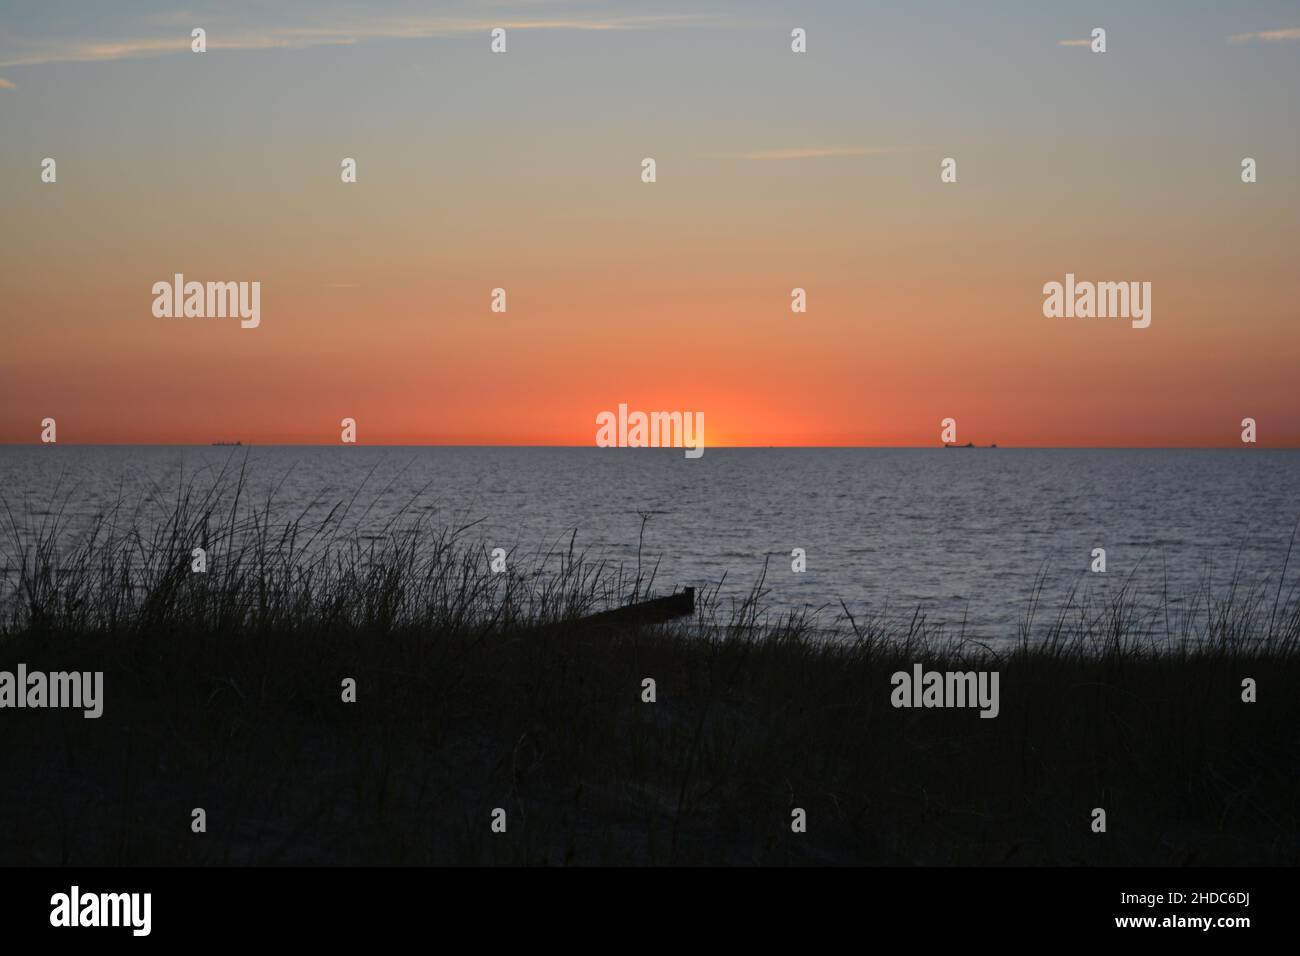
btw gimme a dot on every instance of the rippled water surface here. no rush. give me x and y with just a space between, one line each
962 532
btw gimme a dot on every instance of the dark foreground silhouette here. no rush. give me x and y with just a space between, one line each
223 690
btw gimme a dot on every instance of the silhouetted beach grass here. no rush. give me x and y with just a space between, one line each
478 690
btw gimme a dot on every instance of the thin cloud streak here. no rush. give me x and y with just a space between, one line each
1267 36
812 152
337 34
1087 43
7 84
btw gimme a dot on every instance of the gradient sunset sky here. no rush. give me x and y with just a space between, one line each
775 170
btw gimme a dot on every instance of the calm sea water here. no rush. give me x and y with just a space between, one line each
961 533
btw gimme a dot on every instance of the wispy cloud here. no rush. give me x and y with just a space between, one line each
66 52
332 33
1267 36
810 152
6 84
1086 43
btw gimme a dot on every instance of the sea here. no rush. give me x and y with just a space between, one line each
968 538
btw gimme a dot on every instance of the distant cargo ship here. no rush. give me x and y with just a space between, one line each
969 444
226 444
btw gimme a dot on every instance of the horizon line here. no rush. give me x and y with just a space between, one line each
336 444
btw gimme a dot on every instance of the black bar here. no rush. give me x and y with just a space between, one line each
972 905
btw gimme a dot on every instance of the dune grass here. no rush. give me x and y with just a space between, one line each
479 690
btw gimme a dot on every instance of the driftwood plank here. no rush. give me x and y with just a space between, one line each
648 612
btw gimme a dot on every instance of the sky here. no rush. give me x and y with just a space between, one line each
774 171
